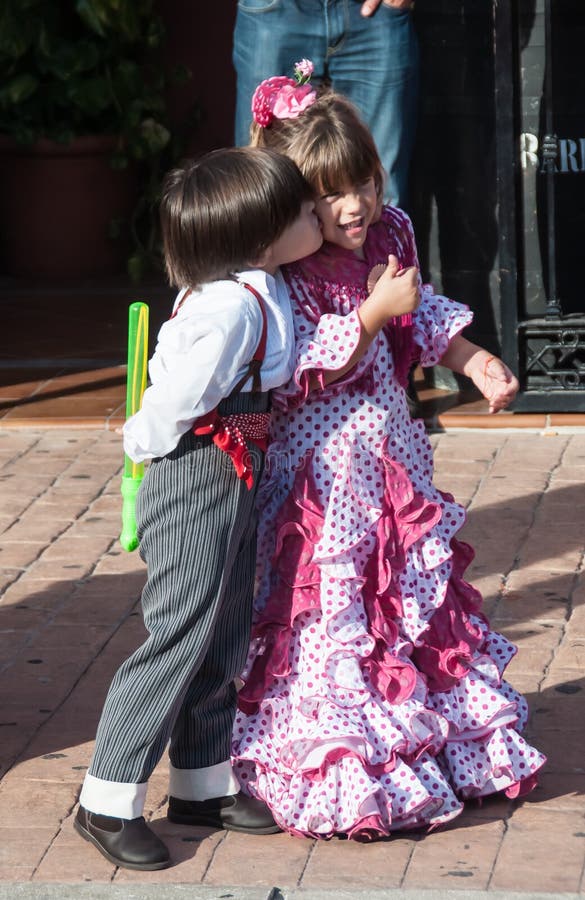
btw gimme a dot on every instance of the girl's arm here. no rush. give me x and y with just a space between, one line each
489 374
394 294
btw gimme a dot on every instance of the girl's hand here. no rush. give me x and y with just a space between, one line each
394 288
495 381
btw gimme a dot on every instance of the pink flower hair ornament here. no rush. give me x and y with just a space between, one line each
280 97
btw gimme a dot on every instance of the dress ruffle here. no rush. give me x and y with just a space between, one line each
436 321
337 693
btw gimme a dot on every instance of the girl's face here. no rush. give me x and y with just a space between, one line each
300 239
347 213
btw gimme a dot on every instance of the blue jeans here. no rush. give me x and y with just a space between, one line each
373 61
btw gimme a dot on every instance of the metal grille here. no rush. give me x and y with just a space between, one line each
553 354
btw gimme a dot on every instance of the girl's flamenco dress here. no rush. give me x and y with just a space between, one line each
373 697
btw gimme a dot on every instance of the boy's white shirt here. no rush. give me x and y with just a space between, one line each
204 351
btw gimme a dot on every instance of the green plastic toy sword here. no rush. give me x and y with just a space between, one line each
135 386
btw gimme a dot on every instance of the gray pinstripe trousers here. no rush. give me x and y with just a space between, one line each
197 530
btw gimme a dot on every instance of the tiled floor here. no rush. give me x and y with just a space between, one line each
69 616
63 355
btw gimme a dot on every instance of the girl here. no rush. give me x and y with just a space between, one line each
373 699
229 221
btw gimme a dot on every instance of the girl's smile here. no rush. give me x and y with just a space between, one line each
353 227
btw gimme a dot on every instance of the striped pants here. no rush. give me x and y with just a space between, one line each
197 530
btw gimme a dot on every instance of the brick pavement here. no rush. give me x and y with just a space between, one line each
69 615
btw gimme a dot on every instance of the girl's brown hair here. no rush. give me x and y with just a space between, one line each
221 212
328 141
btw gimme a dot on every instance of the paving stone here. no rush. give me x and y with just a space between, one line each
24 802
71 640
560 710
21 554
75 546
534 836
461 487
565 508
528 661
57 757
493 555
60 569
12 873
564 753
571 653
72 859
68 444
7 577
104 505
96 524
456 858
32 527
243 859
27 593
559 791
23 846
571 474
526 452
11 506
532 636
37 465
544 548
526 683
95 608
575 626
115 561
537 594
349 864
61 505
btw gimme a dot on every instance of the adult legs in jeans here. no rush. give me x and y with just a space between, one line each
373 61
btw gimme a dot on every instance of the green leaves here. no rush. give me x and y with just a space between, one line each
83 67
18 89
93 67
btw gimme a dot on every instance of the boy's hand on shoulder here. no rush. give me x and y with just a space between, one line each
495 381
397 289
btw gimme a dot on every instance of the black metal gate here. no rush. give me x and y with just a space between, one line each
539 57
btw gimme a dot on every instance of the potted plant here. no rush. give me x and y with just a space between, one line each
84 135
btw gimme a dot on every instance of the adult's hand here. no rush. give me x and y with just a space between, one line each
370 6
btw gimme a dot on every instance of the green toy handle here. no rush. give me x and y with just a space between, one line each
135 386
129 488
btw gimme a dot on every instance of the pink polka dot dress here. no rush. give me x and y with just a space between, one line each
373 698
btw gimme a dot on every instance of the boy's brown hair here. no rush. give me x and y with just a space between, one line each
328 141
220 213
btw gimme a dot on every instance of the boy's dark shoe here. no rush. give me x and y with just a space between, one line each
234 813
125 842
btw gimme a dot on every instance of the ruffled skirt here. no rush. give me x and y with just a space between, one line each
373 698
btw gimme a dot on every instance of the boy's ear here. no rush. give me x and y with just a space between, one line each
262 261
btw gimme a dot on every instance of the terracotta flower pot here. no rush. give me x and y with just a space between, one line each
56 205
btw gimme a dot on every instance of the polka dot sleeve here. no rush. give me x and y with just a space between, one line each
436 322
330 347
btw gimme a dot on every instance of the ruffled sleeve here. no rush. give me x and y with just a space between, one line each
435 324
329 349
324 342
